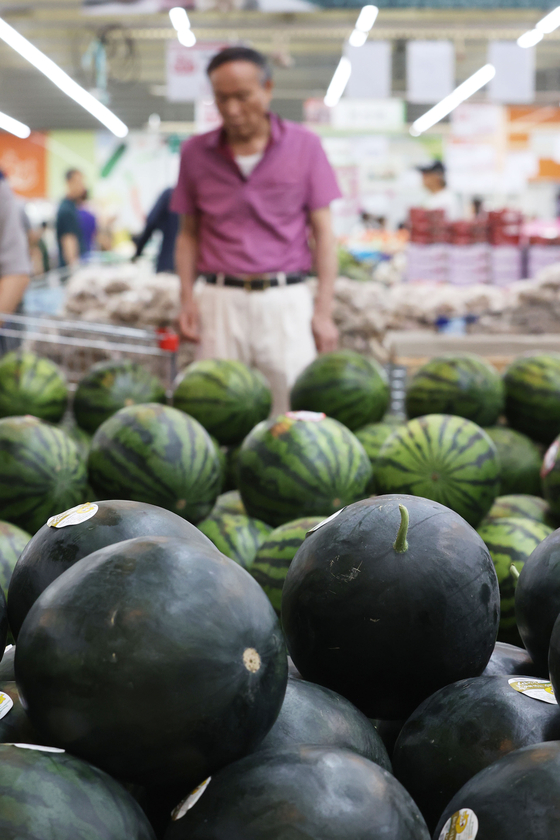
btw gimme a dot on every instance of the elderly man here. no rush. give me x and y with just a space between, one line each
14 251
254 202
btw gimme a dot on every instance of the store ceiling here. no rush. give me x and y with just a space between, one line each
309 44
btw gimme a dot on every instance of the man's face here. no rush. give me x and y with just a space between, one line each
242 98
432 181
76 186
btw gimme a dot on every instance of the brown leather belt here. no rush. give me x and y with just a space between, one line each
255 282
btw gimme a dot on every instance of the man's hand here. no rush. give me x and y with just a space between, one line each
325 333
189 322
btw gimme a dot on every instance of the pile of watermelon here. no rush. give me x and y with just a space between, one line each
333 623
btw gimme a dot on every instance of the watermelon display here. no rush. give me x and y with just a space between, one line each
520 461
80 437
182 655
236 535
319 793
74 534
41 472
516 798
12 542
372 437
112 385
532 386
457 383
448 459
30 384
46 794
389 600
232 456
300 464
511 659
463 728
511 542
15 726
275 555
550 475
156 454
229 502
345 385
537 598
520 506
225 396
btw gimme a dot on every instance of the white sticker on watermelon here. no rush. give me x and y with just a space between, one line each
80 513
37 747
536 688
191 800
308 416
6 704
324 522
463 825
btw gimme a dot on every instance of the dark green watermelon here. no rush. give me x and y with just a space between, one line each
312 714
463 728
537 598
511 542
182 655
229 502
12 542
112 385
51 795
520 461
57 547
532 386
550 475
520 506
345 385
275 555
457 383
300 464
41 472
516 798
372 438
311 792
448 459
511 659
15 726
33 385
225 396
236 535
156 454
384 612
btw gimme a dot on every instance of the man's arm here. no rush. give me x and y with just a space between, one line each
12 287
70 248
186 252
14 252
324 329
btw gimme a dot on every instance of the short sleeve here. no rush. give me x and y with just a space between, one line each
322 186
67 222
183 200
14 251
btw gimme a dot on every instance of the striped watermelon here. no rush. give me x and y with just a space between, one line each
457 383
345 385
30 384
520 461
229 502
235 535
12 542
156 454
519 506
276 553
110 386
511 542
232 455
550 475
533 395
225 396
372 437
41 472
301 464
448 459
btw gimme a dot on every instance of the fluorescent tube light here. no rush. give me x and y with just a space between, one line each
530 38
549 22
186 37
367 18
179 18
357 38
61 79
14 126
449 103
338 82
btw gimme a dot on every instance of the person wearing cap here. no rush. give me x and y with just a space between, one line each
15 264
254 199
439 196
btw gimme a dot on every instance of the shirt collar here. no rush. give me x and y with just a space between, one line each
217 138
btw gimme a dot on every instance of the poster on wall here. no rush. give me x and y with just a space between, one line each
24 164
186 70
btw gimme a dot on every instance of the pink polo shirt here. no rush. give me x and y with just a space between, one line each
258 224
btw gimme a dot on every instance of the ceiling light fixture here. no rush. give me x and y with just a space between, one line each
182 25
549 22
366 19
338 82
449 103
15 127
530 38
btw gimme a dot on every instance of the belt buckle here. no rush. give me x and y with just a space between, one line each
247 284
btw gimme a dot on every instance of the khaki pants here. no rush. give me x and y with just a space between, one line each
269 330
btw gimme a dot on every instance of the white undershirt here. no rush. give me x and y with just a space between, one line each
247 163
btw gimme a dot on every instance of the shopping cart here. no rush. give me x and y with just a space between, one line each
77 345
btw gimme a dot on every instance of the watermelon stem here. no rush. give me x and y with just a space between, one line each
514 571
401 543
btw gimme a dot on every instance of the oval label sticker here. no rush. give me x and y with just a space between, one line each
550 458
463 825
313 416
324 522
191 800
80 513
535 688
6 704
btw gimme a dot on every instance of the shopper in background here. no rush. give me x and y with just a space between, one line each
249 196
162 218
69 233
88 223
439 196
14 251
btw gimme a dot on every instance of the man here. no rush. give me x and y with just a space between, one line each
161 218
14 251
250 194
69 233
439 195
